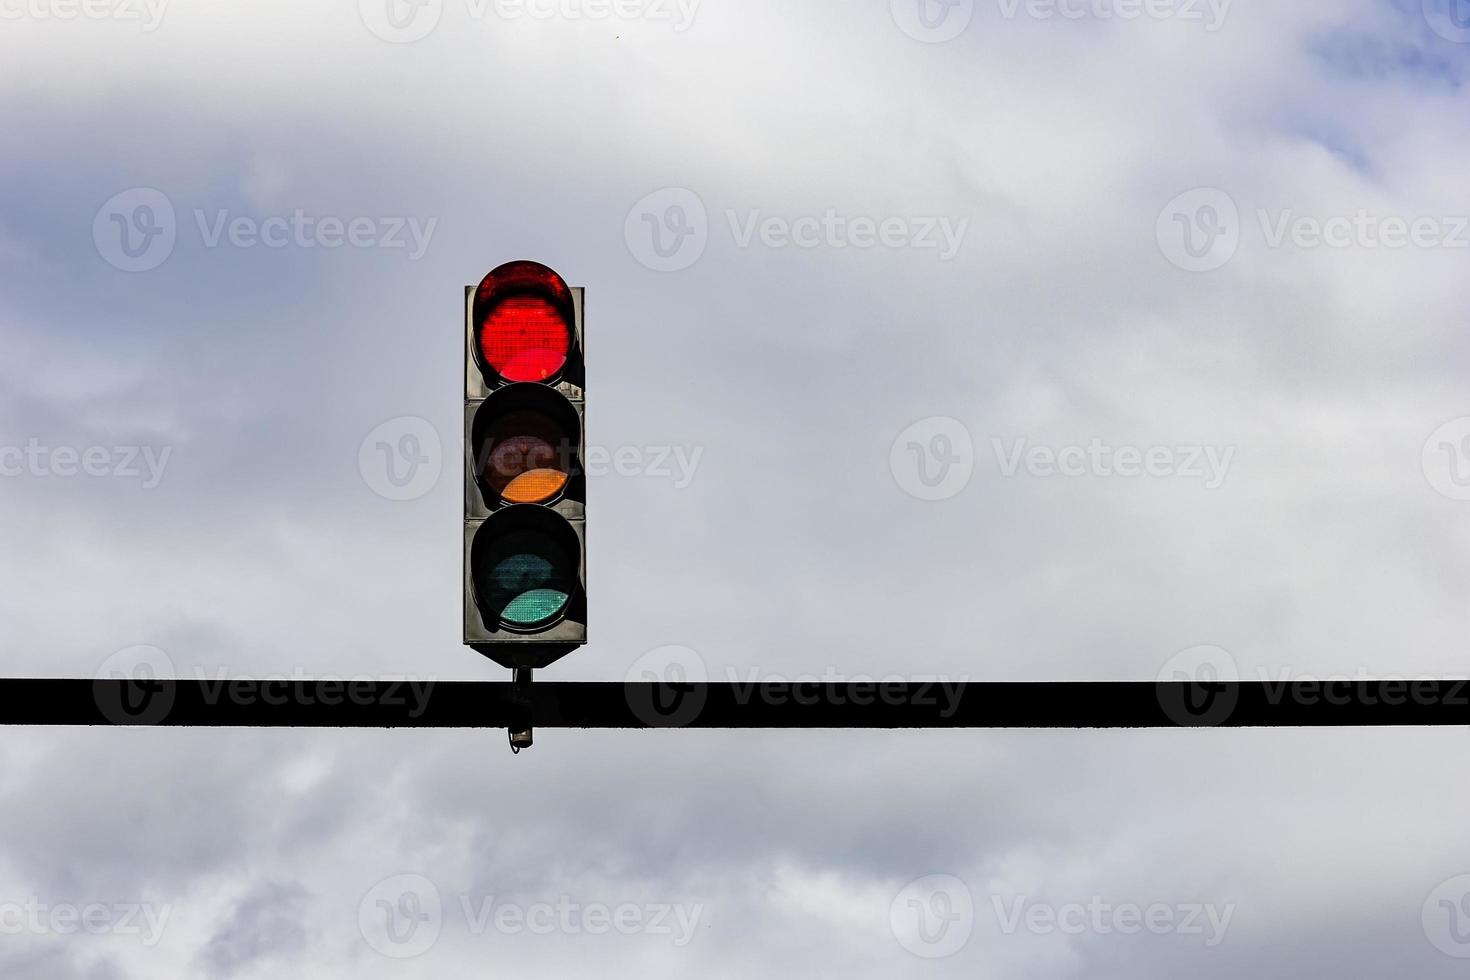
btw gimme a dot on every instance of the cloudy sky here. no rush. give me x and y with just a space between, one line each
1000 339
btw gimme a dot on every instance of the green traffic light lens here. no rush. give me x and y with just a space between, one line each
530 578
535 606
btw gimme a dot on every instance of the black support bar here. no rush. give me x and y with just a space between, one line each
296 703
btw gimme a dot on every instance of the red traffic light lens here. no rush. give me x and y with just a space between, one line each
525 339
523 319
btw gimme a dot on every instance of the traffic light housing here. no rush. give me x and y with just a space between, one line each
525 515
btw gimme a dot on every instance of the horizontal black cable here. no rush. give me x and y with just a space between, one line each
297 703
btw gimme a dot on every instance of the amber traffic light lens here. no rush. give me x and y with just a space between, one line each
529 458
535 486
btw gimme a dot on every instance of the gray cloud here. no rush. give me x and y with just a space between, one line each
267 923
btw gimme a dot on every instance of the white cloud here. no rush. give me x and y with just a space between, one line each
794 549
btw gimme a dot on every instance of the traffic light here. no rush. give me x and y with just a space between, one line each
525 515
